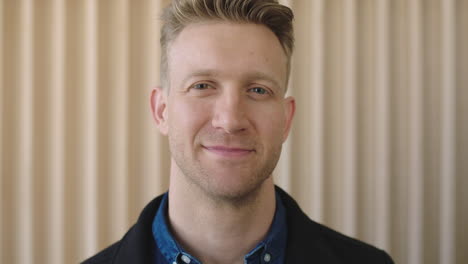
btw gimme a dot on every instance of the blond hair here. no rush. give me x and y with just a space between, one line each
180 13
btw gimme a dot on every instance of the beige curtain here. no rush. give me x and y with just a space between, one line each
379 148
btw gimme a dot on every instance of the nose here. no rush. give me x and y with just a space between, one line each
230 112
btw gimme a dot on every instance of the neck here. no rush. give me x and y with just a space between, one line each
218 231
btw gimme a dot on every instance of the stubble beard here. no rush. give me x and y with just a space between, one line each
205 181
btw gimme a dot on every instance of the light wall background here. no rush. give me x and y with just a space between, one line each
379 148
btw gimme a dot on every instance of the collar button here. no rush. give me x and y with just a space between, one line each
185 259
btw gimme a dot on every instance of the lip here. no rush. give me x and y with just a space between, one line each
229 152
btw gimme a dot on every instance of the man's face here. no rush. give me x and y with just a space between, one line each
225 113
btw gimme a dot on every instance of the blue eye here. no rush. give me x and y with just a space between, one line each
201 86
259 90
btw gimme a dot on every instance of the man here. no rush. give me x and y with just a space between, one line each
224 69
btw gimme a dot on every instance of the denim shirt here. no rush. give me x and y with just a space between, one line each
269 251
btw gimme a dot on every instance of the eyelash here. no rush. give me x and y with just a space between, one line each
198 84
264 91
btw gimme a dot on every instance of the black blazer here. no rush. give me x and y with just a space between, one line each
308 241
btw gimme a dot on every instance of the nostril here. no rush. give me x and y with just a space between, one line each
230 122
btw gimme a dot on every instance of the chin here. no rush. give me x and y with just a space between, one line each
233 192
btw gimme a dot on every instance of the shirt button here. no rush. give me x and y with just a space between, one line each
174 262
185 259
267 257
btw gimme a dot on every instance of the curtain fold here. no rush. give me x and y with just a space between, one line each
378 149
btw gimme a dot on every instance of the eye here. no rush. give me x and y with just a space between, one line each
259 90
201 86
202 89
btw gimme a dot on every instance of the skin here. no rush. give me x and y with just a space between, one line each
226 117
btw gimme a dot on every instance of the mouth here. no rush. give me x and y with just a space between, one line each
229 152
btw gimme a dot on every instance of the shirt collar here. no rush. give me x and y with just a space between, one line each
271 250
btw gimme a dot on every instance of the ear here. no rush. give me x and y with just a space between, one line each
159 109
289 111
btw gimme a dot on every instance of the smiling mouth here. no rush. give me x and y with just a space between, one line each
229 152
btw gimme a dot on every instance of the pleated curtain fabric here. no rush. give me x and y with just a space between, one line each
378 150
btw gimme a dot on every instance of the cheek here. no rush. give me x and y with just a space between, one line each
186 116
270 122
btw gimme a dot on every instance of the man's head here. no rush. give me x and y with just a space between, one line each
226 114
181 13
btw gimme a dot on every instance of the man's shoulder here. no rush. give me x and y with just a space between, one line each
105 256
137 244
309 240
345 249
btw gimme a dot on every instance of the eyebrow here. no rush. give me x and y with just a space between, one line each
253 75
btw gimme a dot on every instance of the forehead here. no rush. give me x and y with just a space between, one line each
233 50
